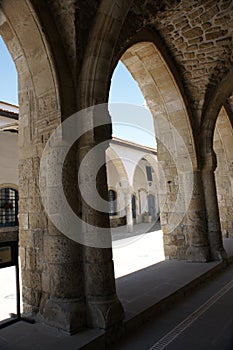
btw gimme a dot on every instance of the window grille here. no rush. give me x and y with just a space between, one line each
8 207
149 173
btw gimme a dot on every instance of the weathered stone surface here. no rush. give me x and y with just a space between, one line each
65 52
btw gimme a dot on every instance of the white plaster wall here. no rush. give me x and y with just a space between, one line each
130 157
113 179
143 201
143 188
112 176
135 168
9 158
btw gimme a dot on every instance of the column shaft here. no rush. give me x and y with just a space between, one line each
196 225
212 213
104 309
128 208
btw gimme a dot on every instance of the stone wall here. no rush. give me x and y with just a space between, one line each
180 52
8 234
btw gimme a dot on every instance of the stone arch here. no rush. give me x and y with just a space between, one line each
94 80
210 113
93 87
172 124
223 145
113 188
112 156
7 184
188 240
149 69
44 88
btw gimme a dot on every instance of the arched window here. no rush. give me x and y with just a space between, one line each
112 197
8 207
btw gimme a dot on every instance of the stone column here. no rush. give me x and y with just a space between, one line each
196 225
63 303
185 231
63 300
211 204
212 213
104 309
128 208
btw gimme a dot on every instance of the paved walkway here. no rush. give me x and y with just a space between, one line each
202 320
143 294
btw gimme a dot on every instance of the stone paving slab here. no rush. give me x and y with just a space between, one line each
26 336
142 294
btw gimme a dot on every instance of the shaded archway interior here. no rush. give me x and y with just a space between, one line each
69 286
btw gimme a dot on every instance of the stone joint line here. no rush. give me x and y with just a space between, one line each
180 328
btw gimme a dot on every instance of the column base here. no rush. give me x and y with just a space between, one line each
129 228
68 315
106 314
198 254
218 254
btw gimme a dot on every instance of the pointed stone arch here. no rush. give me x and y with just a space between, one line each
147 66
43 103
113 157
176 145
210 113
223 145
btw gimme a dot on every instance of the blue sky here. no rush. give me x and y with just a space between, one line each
8 74
133 124
123 89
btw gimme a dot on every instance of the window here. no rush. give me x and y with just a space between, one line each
112 197
133 206
8 207
149 173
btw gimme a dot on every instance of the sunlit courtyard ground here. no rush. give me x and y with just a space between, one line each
7 292
138 251
131 252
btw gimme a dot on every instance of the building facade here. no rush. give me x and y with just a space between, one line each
132 174
180 53
9 178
